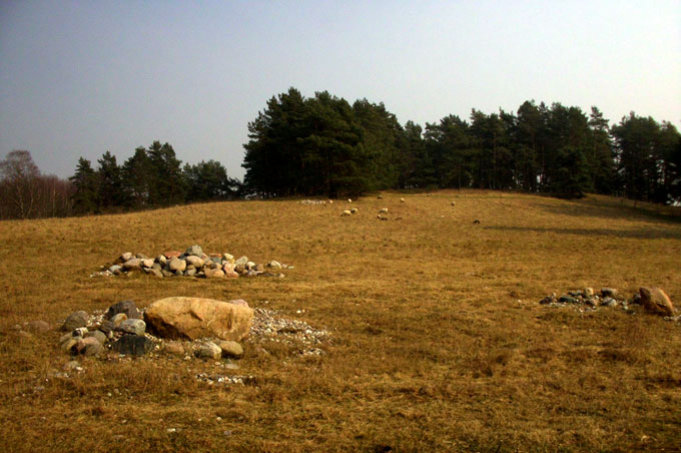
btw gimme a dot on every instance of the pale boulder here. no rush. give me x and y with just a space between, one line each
191 318
177 264
214 273
195 261
656 301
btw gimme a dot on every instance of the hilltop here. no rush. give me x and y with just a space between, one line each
436 337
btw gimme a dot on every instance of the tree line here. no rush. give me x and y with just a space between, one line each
152 177
323 145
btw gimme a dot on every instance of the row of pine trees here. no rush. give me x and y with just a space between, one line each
325 146
151 177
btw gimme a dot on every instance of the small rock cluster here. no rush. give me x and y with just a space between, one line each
192 263
653 300
120 329
315 202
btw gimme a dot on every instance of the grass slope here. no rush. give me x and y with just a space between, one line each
438 342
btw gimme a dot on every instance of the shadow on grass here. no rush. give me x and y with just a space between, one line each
628 234
595 206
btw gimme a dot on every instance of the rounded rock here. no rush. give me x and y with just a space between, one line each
208 350
231 349
194 250
133 326
75 320
177 265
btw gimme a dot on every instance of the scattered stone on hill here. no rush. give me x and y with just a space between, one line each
346 213
656 301
383 211
192 318
316 202
402 200
354 211
192 263
476 222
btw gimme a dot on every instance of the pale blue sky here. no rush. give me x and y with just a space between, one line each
78 78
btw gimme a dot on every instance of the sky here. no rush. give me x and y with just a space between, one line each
78 78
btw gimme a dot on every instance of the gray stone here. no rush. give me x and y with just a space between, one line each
608 292
116 269
167 273
133 326
156 272
208 350
98 334
75 320
608 302
194 250
137 345
231 349
106 327
126 256
69 345
126 306
190 272
568 299
147 262
161 259
89 346
132 263
38 326
241 261
588 292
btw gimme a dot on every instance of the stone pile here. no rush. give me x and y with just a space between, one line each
192 263
653 300
189 327
217 325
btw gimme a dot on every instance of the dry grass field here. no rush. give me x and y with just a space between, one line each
437 340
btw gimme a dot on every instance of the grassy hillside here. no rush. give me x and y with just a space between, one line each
437 341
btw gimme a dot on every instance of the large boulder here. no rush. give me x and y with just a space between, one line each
191 318
656 301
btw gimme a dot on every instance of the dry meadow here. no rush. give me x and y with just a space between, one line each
437 340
